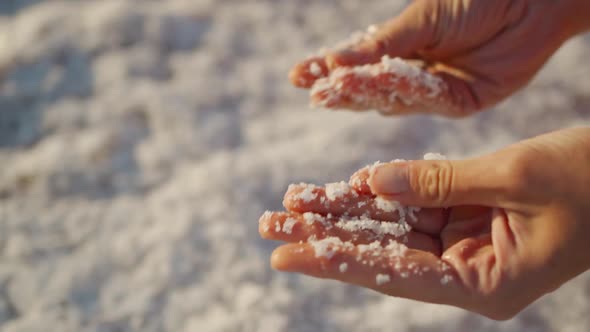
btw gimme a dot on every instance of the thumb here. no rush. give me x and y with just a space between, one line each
402 37
439 183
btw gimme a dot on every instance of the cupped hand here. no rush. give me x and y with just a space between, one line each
483 51
496 232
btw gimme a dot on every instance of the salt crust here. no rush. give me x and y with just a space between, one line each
307 195
332 88
337 190
288 225
379 228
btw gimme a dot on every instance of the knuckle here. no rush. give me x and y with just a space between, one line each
435 181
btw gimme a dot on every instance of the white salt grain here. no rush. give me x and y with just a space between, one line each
307 195
446 279
315 69
329 246
337 190
379 228
434 156
277 226
382 279
343 267
389 205
288 225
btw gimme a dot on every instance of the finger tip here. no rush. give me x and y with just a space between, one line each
278 258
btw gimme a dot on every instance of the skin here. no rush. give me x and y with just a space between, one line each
496 232
509 226
483 50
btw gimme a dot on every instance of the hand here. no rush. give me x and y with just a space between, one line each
497 233
482 50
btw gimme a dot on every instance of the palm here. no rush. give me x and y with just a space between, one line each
453 245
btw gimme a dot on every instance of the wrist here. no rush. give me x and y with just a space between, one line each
574 15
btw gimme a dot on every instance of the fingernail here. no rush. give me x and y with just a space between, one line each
390 179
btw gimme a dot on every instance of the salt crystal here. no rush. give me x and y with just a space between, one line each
277 226
389 206
446 279
337 190
315 69
382 279
307 195
380 228
343 267
329 246
288 225
434 156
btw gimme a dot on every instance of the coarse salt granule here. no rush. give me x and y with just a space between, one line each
315 69
288 225
434 156
388 205
446 279
379 228
337 190
329 246
343 267
382 279
307 195
396 249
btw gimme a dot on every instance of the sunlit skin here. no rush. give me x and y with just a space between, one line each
511 226
483 50
496 232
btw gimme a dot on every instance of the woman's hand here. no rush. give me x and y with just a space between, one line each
497 232
482 50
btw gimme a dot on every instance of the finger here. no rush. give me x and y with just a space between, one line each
392 86
296 227
304 198
359 181
395 271
304 74
402 36
441 183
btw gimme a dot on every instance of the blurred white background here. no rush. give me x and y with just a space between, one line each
140 140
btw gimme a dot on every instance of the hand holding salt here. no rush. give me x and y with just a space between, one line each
493 234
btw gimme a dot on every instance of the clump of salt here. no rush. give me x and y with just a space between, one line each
434 156
337 190
343 267
315 69
446 279
387 205
329 246
330 90
307 195
379 228
382 279
288 225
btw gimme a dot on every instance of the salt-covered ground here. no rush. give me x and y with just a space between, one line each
141 140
